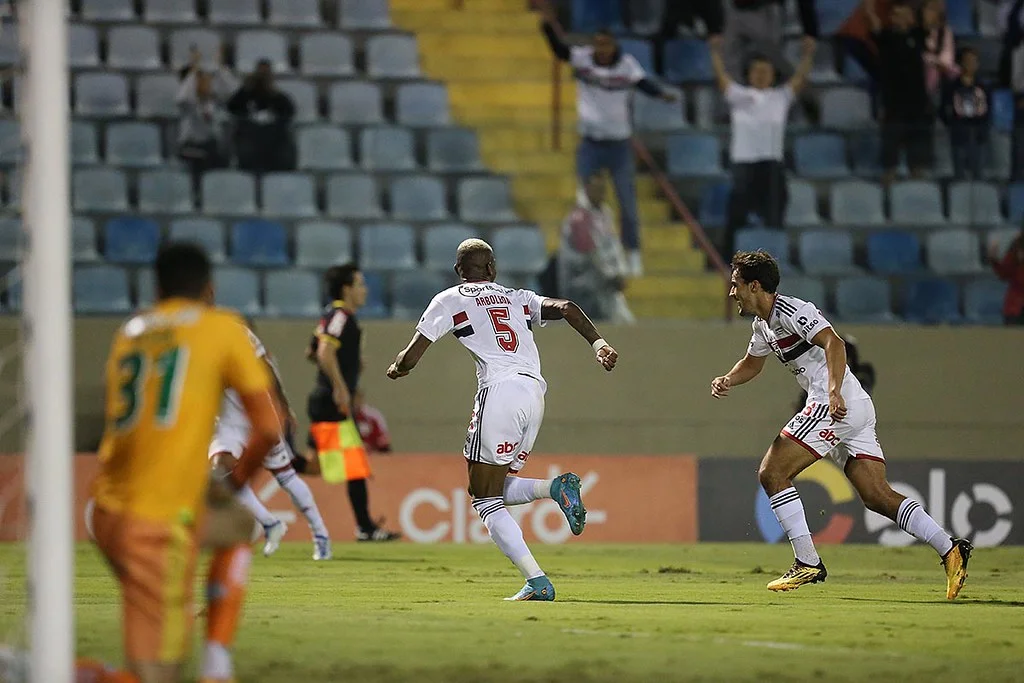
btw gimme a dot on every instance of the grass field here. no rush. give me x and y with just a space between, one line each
428 614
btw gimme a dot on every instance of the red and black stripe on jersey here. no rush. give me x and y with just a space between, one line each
529 318
792 347
461 328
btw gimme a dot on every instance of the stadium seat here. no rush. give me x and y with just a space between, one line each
641 50
412 292
376 306
983 301
960 17
422 104
589 16
392 56
83 47
821 155
206 232
326 54
387 148
1002 110
289 195
295 13
353 195
134 145
864 299
916 202
165 191
418 198
102 95
485 200
169 12
894 253
846 109
775 242
387 246
207 41
645 17
802 209
230 193
303 94
440 243
13 183
133 48
714 204
83 240
974 204
990 23
807 288
853 72
953 252
931 301
237 288
322 244
107 10
12 239
453 150
1015 201
259 243
687 61
131 240
827 252
520 250
324 148
655 115
253 46
364 15
292 293
856 203
710 108
823 71
99 189
10 141
1000 157
694 155
101 289
356 102
155 96
234 12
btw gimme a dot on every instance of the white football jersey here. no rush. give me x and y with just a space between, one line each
494 322
232 412
787 333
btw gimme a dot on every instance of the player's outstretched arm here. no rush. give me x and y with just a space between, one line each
745 370
409 356
835 360
563 309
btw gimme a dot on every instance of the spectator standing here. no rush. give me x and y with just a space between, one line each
202 129
1012 68
967 113
758 112
939 48
1010 267
756 28
263 116
605 79
907 113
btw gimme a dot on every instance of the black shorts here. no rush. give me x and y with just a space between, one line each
914 137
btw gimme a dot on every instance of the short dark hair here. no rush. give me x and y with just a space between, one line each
182 270
757 265
337 277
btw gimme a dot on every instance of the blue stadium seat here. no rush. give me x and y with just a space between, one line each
846 109
931 301
234 12
133 48
324 147
155 96
694 155
418 198
364 15
821 155
687 61
802 209
11 240
353 195
107 10
440 243
207 41
256 45
1015 200
827 252
230 193
326 54
322 244
412 292
953 252
422 104
133 145
169 12
864 299
84 146
853 72
237 288
485 200
392 56
983 301
974 204
916 202
99 189
833 13
83 47
960 17
295 14
519 250
376 297
259 243
83 240
165 191
131 240
642 51
453 150
590 15
387 246
807 288
658 116
1000 157
775 242
10 142
206 232
292 293
356 102
1002 110
714 204
101 289
103 95
304 97
894 252
387 148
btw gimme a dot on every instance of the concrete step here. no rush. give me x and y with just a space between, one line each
507 95
531 163
527 139
697 296
529 47
547 211
460 69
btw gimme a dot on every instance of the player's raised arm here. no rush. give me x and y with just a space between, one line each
408 357
563 309
835 360
746 369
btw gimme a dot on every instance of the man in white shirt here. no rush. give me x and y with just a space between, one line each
757 150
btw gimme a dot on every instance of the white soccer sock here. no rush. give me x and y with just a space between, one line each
247 497
217 662
519 491
912 518
789 510
507 535
302 498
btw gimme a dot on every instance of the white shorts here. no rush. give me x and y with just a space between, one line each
505 422
230 439
852 437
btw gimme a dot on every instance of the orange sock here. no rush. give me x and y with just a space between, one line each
225 586
95 671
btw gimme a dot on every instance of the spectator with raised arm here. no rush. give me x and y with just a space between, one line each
758 112
756 28
605 80
939 48
202 129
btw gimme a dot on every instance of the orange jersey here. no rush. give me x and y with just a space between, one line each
166 377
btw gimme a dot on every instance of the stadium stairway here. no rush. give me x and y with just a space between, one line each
497 67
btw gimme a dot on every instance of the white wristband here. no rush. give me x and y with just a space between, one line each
599 344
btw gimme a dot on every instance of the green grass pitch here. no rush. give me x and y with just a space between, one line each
432 614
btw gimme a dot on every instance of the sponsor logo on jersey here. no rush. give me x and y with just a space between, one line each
506 448
829 436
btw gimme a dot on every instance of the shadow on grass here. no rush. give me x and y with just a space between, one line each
962 601
656 602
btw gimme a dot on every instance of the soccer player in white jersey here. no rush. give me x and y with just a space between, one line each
228 441
838 421
496 324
